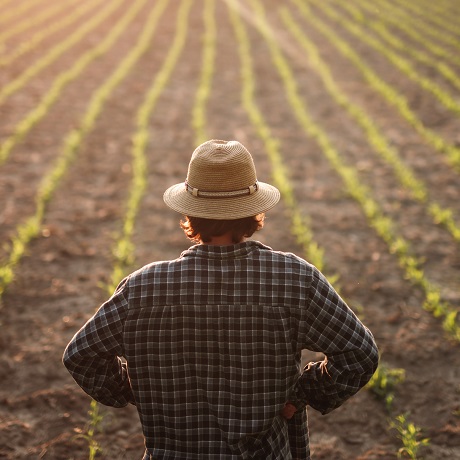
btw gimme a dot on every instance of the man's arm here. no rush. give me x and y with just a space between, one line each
351 354
93 355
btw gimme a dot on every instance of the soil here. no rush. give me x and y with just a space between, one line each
60 281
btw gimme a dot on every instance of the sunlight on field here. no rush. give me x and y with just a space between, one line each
352 109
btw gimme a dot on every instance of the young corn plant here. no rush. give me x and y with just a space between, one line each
383 383
94 425
409 434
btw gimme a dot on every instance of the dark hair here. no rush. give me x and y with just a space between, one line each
199 229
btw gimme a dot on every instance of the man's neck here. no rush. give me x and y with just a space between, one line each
222 240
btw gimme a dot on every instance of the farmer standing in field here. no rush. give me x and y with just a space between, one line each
213 339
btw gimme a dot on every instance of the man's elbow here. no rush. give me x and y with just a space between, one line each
372 360
66 357
70 359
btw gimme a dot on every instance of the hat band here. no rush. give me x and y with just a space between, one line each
231 194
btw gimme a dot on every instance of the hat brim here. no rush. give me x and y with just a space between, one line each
178 199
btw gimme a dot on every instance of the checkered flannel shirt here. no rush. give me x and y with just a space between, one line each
213 342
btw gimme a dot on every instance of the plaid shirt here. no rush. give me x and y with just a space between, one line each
213 342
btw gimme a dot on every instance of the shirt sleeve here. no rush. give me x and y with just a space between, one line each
93 355
351 354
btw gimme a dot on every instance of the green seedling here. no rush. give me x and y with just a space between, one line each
93 426
409 434
384 382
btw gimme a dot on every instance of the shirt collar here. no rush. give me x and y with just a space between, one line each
234 251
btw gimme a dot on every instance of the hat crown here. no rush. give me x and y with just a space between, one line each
221 166
221 184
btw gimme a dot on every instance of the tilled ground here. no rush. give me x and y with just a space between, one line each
60 282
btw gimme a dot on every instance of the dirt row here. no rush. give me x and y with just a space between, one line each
60 282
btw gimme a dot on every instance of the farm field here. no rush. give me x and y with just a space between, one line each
352 109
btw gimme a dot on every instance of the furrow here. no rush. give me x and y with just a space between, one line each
53 54
31 227
375 137
377 219
64 78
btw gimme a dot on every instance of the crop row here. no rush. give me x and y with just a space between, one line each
32 21
21 129
19 10
207 72
405 66
419 23
34 41
124 248
30 229
53 54
390 94
376 138
405 24
300 226
377 218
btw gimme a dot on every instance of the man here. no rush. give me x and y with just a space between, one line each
213 339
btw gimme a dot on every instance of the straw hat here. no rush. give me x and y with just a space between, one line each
221 184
